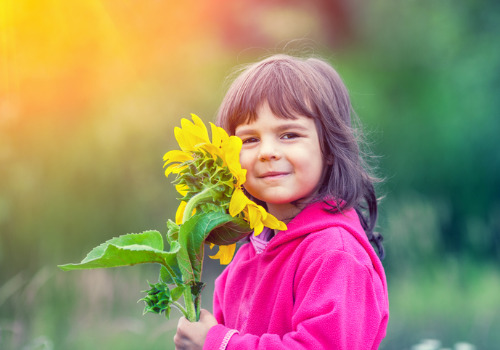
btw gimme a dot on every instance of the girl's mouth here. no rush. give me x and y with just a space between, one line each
272 175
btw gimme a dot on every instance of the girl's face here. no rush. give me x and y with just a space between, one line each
283 160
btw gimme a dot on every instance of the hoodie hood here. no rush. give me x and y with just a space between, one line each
315 218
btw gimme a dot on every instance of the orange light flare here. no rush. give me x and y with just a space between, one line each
58 56
53 54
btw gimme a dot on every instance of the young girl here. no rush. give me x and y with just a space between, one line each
319 284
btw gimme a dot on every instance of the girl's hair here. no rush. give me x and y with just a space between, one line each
310 87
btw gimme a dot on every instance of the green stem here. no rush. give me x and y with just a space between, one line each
197 306
192 306
192 315
195 200
181 308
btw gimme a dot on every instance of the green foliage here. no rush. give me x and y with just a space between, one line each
229 233
453 301
127 250
424 82
192 236
181 266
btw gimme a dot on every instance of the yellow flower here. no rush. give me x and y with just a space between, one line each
194 136
194 142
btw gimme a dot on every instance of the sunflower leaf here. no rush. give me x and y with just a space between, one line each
192 235
230 232
127 250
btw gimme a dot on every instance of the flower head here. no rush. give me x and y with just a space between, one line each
210 178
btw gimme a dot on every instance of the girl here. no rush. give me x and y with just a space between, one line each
319 284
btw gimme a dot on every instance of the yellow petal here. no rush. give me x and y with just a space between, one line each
180 213
232 149
175 156
254 218
196 133
182 139
259 227
216 137
182 189
219 135
174 168
238 202
273 223
225 254
190 134
214 151
270 220
202 129
258 217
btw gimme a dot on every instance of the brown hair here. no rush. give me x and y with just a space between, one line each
310 87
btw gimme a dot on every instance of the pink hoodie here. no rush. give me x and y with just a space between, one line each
318 285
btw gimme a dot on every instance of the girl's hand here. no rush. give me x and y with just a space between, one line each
192 335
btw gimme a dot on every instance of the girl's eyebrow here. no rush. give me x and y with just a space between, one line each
293 126
243 131
247 129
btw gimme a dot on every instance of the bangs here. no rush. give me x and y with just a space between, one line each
277 83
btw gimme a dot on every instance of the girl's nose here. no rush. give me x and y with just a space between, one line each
269 151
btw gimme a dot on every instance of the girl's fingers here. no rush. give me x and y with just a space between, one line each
192 335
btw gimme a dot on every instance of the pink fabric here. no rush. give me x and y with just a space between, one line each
261 241
318 285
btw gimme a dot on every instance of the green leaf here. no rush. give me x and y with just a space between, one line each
172 276
230 232
192 236
176 292
172 231
126 250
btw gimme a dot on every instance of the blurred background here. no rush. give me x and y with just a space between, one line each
90 92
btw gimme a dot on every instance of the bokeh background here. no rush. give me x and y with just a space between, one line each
90 91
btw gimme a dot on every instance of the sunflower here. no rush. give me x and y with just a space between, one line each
210 177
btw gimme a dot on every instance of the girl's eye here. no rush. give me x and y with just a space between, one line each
289 136
250 140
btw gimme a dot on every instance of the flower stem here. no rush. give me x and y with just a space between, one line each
181 308
192 307
195 200
189 303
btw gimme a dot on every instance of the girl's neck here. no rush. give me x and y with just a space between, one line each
284 212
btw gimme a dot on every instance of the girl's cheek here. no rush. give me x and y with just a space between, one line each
245 159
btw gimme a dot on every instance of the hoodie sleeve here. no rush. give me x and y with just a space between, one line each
338 305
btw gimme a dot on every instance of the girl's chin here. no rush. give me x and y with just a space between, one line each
281 203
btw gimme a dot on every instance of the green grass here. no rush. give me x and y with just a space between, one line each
454 302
